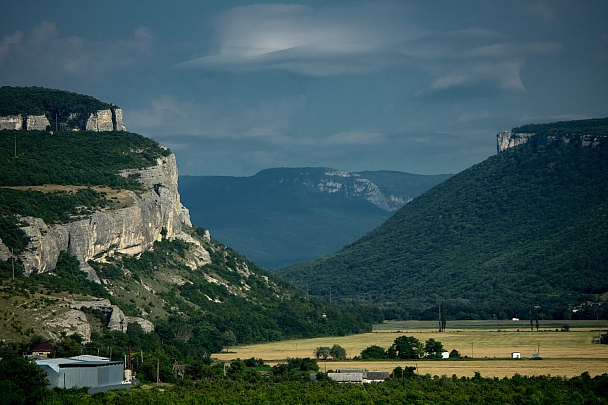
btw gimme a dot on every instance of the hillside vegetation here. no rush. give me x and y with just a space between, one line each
66 107
522 234
197 309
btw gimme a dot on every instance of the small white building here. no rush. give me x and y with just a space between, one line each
515 355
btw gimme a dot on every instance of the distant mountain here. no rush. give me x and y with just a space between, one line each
284 216
523 233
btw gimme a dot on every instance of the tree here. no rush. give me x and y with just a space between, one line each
408 347
443 316
337 352
433 348
322 352
21 381
454 354
373 352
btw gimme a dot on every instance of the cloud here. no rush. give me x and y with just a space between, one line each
9 42
332 41
316 42
45 53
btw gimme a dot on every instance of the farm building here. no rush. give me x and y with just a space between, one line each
358 376
96 373
515 355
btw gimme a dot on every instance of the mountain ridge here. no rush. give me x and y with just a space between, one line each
289 215
527 227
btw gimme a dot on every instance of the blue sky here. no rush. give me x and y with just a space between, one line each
234 87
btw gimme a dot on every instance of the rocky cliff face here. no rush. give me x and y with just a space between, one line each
509 139
29 122
106 120
131 230
340 181
102 120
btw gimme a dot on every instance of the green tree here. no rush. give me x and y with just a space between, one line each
454 354
433 349
373 352
322 352
408 347
337 352
21 381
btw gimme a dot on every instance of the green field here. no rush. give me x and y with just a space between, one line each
485 345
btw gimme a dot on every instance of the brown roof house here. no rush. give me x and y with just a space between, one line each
44 349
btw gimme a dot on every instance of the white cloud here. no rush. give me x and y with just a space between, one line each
315 42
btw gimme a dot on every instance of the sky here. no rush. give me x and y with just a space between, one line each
235 87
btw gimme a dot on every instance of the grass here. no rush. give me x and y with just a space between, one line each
487 349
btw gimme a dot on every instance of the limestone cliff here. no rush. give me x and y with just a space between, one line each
130 230
510 139
102 120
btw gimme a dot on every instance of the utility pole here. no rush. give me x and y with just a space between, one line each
13 261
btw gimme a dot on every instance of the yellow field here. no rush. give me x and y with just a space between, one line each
488 350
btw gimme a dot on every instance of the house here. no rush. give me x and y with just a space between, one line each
44 349
96 373
515 355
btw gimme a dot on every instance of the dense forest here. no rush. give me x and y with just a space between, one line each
523 233
59 106
597 126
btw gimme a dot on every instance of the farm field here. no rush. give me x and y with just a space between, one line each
484 345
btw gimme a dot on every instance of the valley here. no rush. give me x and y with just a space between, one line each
485 347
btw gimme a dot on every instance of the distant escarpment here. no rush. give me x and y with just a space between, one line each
283 216
38 109
584 133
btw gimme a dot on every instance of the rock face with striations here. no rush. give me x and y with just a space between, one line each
510 139
131 230
106 120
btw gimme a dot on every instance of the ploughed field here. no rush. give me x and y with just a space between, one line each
484 346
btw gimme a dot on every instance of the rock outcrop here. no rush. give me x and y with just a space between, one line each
154 214
102 120
105 120
509 139
30 122
116 318
11 122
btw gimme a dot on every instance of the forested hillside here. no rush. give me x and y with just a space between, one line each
523 233
58 106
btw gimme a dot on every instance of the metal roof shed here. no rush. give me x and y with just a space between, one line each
70 373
